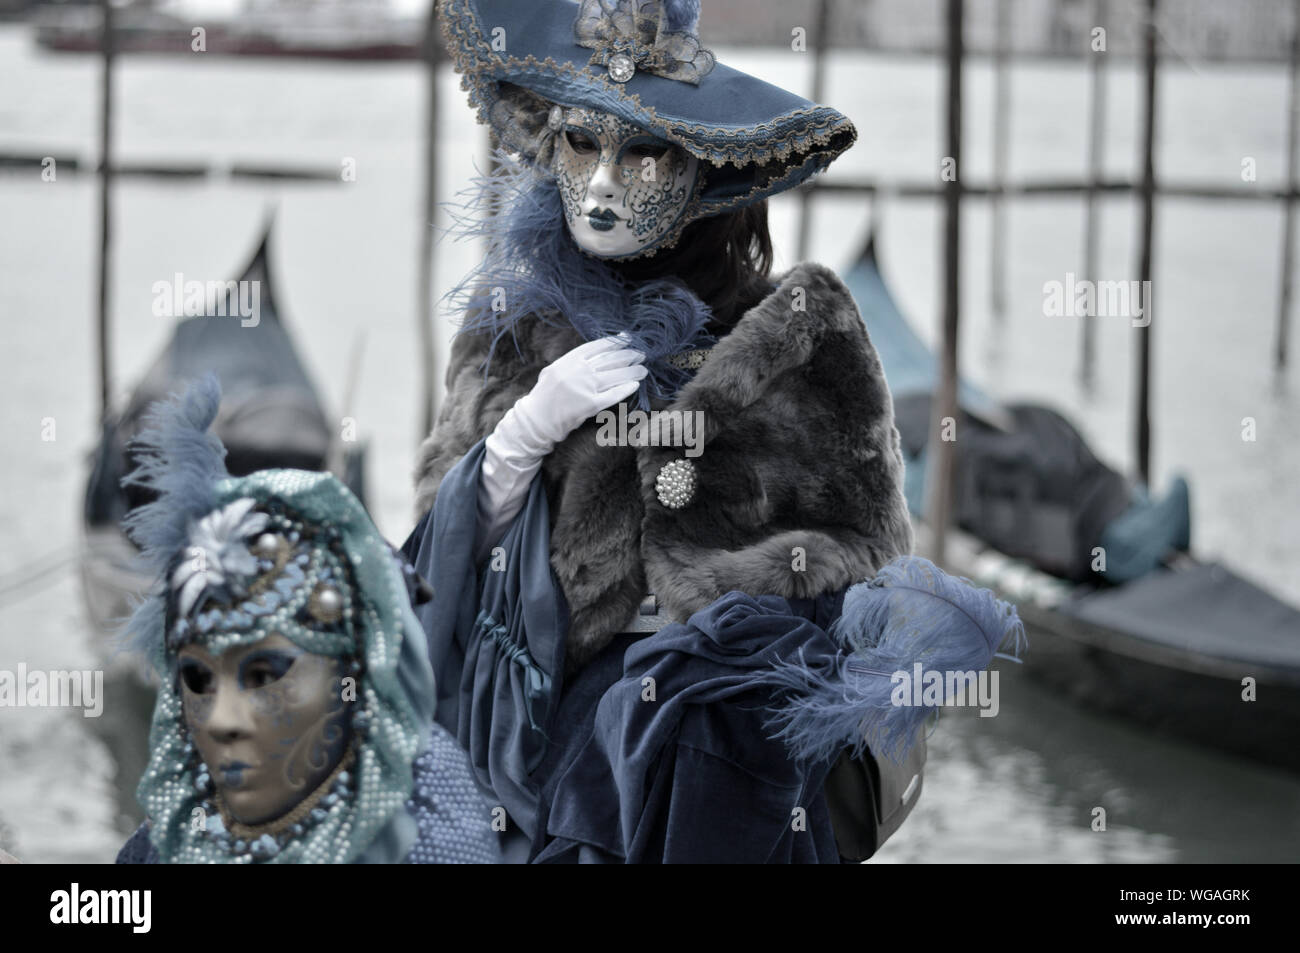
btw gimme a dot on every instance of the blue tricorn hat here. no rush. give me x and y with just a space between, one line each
642 61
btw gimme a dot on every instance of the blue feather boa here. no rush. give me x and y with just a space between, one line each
533 268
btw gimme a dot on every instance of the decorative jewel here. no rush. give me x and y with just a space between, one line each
326 603
663 43
267 545
217 554
361 724
621 67
675 484
555 120
264 847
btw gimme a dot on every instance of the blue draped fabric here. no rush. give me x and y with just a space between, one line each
672 762
589 771
496 636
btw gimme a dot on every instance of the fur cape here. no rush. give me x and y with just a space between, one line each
799 486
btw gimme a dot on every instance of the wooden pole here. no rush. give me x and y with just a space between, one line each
820 43
426 311
944 417
1148 193
1001 135
105 206
1091 230
1288 225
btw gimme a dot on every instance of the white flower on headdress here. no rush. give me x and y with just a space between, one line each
217 553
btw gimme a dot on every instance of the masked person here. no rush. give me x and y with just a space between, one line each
295 695
658 468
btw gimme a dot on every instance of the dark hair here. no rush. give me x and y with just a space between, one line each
725 260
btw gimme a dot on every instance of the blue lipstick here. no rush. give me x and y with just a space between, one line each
602 220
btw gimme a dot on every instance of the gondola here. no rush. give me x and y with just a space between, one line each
271 416
1189 649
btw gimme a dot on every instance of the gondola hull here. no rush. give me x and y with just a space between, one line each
1180 695
1193 651
271 416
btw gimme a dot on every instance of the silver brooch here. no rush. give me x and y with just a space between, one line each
675 484
621 67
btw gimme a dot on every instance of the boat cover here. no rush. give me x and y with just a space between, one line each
1206 609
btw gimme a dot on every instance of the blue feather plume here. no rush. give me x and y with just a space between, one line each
180 461
911 612
533 267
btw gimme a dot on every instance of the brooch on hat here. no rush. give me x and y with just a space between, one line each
656 36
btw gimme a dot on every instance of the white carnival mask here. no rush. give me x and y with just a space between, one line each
626 193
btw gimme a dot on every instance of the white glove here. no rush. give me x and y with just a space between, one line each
569 391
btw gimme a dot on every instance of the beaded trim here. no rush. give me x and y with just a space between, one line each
296 582
691 360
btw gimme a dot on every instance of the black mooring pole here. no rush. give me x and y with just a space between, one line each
1288 222
425 311
105 203
1092 211
1145 249
944 416
1001 138
820 46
